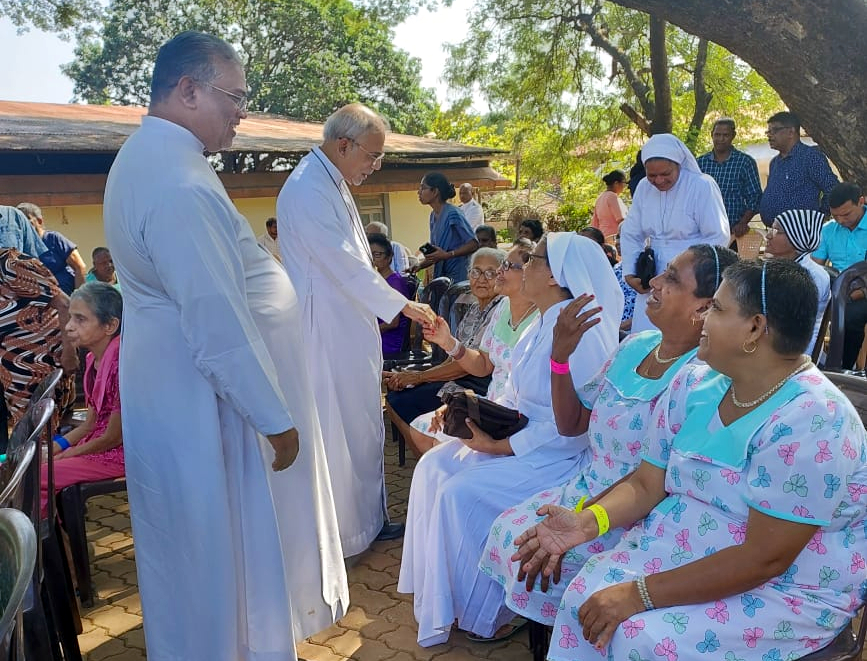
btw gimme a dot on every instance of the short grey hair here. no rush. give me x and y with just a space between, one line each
30 210
353 121
190 53
497 254
103 300
375 227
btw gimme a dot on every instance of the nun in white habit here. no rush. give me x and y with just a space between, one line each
461 486
675 207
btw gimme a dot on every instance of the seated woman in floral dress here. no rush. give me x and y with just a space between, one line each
93 450
616 408
753 492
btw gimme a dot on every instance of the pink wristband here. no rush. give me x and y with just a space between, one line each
559 368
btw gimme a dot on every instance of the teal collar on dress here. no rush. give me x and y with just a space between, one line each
729 444
623 375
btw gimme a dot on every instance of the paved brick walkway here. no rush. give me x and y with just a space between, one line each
378 627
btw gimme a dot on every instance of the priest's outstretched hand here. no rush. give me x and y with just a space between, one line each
285 447
420 312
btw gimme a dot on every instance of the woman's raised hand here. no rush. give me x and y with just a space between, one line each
571 325
438 332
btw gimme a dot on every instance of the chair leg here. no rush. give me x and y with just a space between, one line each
539 638
401 445
73 512
39 640
57 585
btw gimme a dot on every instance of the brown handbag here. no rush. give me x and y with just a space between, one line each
498 421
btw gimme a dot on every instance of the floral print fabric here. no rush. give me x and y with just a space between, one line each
623 404
800 456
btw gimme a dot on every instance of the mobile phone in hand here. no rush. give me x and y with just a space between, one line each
427 249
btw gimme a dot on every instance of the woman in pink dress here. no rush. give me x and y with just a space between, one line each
93 450
609 210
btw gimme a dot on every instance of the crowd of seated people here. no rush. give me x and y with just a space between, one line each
412 393
459 486
493 357
715 500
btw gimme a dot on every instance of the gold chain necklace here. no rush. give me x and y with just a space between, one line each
768 393
663 361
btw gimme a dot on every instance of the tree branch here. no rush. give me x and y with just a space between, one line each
702 96
661 122
639 120
584 22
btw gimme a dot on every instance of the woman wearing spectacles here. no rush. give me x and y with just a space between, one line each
393 331
494 355
451 235
414 393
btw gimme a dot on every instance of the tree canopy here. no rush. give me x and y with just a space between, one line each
577 85
809 52
50 15
303 58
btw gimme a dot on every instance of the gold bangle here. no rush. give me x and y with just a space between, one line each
601 518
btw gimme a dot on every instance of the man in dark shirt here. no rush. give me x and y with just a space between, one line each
799 177
66 263
737 176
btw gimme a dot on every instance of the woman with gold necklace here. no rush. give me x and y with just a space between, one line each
753 495
616 408
494 355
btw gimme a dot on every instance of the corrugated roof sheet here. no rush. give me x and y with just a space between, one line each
26 126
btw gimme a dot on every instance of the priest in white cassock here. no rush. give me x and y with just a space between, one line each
327 256
235 560
459 488
675 206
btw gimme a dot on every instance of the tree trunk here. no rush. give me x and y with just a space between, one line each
809 52
661 121
702 96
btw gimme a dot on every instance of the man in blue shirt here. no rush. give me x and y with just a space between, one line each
843 243
17 232
66 263
737 176
799 177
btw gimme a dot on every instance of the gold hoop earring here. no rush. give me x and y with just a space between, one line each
753 350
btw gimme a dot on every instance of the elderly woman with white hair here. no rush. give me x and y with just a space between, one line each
675 207
459 487
793 235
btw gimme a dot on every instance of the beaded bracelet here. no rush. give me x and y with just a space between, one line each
601 518
643 593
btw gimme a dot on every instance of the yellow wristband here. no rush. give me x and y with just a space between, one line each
580 505
601 518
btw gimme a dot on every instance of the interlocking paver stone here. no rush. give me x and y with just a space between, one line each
378 627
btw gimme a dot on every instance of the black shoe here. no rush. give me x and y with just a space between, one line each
391 531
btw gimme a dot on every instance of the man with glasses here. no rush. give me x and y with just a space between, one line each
328 259
843 243
234 558
799 177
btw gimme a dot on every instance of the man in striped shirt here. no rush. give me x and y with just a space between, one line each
736 174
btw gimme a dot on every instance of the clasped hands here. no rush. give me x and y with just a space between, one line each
541 549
